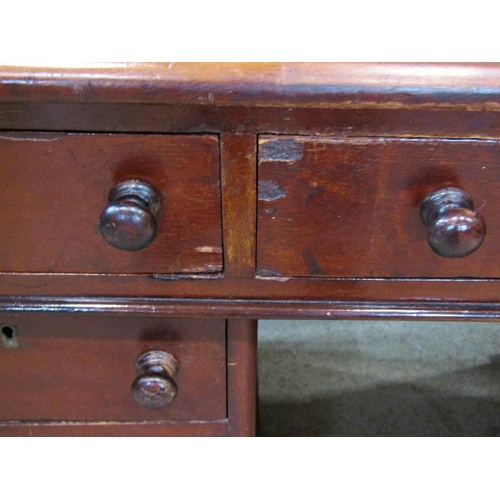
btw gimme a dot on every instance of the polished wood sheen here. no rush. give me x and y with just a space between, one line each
57 185
75 368
239 183
351 207
129 221
455 230
242 377
155 386
279 190
354 85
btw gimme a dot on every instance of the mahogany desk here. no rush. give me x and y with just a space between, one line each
151 213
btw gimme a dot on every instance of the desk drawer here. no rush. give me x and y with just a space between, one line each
56 186
78 368
352 207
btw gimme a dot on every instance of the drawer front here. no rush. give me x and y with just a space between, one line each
56 186
352 207
78 368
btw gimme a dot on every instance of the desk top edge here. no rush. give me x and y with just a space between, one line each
256 84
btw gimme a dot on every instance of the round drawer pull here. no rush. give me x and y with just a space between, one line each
129 221
155 387
455 230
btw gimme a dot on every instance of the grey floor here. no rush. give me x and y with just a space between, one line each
374 378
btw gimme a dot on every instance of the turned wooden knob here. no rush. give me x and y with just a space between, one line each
455 230
129 221
155 387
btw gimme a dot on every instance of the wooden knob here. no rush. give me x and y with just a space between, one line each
129 221
455 230
155 387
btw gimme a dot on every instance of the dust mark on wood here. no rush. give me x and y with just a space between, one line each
273 278
208 268
312 264
33 137
268 211
208 249
268 272
288 150
270 191
180 276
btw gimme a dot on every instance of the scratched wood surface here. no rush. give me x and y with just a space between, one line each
445 122
354 85
121 429
55 187
350 207
242 376
150 99
78 367
239 185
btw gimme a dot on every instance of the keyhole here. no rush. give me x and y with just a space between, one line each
8 331
9 336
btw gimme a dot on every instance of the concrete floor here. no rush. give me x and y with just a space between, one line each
374 378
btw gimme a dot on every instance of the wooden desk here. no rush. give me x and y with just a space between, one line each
167 207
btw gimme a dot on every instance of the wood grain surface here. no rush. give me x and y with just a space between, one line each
347 152
239 186
259 84
242 376
112 429
78 368
57 185
445 122
351 207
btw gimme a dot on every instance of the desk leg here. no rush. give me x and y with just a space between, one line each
242 376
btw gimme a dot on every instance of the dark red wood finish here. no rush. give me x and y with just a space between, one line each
242 376
417 121
129 220
110 429
457 114
351 207
375 140
354 85
75 368
56 187
454 228
239 183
